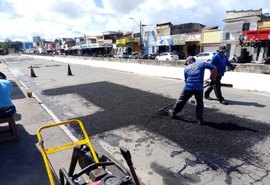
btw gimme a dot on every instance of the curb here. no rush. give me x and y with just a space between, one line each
50 113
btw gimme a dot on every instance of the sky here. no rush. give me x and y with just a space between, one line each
20 20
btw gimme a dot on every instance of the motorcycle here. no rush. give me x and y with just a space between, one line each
234 59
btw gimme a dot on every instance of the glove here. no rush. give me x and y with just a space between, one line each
233 67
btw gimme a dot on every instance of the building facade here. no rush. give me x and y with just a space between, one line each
27 45
36 39
211 40
186 39
235 23
258 39
149 39
164 40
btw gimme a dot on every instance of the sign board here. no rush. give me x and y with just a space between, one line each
164 42
179 39
127 40
255 35
96 45
193 37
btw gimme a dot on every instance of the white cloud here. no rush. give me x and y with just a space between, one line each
100 18
23 19
121 6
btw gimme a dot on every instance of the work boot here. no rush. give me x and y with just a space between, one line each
224 102
208 97
171 114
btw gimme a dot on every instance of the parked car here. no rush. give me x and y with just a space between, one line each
121 55
204 57
135 55
153 56
168 56
145 57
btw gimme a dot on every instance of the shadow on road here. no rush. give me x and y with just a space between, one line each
242 103
224 137
16 91
21 162
255 104
228 127
219 126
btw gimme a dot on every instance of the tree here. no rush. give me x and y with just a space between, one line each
8 45
17 45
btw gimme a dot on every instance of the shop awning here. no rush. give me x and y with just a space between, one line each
127 41
96 45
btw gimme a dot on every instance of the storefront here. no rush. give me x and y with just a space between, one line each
192 45
164 44
128 45
212 48
96 49
178 43
255 45
211 40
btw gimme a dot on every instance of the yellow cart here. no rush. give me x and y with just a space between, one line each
83 153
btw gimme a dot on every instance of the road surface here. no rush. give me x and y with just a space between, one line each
120 109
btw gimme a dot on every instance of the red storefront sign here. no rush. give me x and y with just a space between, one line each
51 47
255 35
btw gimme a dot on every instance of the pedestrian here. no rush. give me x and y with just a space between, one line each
7 108
220 60
194 80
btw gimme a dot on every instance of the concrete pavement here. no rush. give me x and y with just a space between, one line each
21 161
239 80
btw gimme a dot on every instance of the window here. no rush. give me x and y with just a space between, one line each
153 49
161 33
246 26
147 33
136 35
227 36
228 46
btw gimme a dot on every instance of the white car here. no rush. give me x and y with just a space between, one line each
121 55
135 55
168 56
204 57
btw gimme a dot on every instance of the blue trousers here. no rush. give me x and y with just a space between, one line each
7 111
184 97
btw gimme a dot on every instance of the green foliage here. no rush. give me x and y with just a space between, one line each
11 45
4 45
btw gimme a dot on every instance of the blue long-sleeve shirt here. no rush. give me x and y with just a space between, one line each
220 61
194 75
5 93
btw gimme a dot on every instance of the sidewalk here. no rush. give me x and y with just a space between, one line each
239 80
21 162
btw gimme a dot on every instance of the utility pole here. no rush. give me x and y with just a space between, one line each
141 38
141 31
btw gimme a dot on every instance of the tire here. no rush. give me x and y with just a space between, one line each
167 60
208 61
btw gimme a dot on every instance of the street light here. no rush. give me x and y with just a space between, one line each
140 27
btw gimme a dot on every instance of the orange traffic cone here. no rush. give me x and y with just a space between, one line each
69 71
32 73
